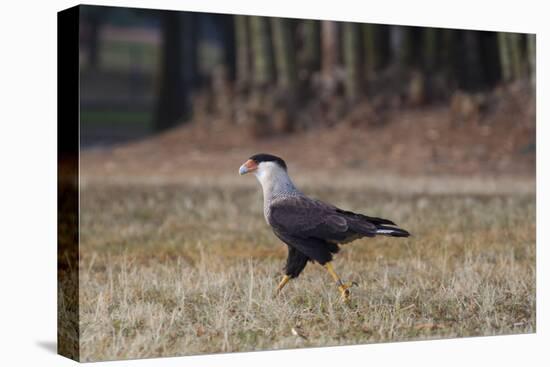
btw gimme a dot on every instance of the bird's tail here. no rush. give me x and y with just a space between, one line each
391 231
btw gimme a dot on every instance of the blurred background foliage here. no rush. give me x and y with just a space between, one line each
144 71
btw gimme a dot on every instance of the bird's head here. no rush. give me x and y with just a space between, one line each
262 164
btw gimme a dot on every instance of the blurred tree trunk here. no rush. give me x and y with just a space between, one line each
242 38
382 41
190 50
172 96
371 53
430 48
262 53
511 59
227 25
489 54
413 41
451 56
312 45
399 47
352 60
532 57
505 62
285 54
330 54
514 47
473 68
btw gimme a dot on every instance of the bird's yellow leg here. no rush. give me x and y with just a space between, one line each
342 287
283 282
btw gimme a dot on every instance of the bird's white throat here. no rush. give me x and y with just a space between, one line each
274 180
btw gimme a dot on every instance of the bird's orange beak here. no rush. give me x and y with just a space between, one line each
248 167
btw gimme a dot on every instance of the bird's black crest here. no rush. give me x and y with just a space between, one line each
262 157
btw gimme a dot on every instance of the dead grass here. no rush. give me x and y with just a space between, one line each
185 268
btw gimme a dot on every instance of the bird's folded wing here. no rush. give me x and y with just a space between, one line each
300 216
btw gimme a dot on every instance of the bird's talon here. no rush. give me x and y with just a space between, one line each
344 292
346 296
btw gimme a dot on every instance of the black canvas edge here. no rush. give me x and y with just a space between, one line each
68 320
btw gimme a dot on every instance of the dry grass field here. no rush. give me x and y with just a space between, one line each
189 266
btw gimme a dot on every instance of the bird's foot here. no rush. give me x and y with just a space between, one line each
344 291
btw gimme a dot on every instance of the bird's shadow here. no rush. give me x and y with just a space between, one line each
48 345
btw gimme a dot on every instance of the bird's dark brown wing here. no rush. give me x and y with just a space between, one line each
303 217
315 228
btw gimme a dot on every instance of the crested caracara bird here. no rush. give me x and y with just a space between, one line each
310 228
